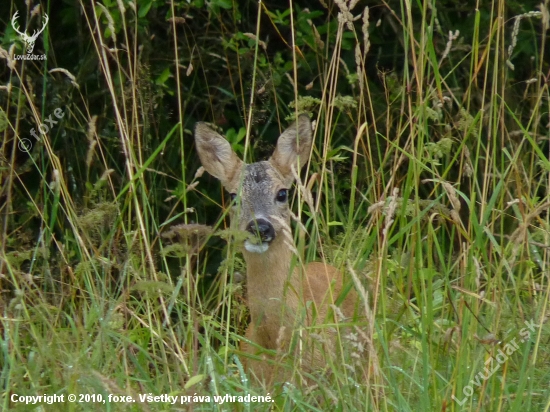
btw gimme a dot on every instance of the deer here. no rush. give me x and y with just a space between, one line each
285 301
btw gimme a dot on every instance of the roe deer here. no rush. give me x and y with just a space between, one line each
281 299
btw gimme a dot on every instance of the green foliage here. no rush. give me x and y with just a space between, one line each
428 187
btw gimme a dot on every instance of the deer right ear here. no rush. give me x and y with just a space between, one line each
216 156
294 143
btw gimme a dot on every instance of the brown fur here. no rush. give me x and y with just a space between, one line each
277 296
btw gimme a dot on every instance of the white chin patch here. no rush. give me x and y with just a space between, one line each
255 248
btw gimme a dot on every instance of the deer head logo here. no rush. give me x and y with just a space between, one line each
29 40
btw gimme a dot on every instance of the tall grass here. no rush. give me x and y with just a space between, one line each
428 187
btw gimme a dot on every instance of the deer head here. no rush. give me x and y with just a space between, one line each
261 188
29 40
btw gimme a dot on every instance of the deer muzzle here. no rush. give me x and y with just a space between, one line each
263 234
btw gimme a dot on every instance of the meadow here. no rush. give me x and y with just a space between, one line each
121 280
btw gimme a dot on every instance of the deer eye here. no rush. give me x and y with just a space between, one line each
233 196
282 195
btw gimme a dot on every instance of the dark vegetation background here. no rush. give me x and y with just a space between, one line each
211 39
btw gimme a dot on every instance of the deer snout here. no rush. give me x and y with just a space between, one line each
262 229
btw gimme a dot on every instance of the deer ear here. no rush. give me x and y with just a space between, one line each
217 157
293 145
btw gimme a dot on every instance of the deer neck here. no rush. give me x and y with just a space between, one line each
272 289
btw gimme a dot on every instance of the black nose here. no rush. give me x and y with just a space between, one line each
261 228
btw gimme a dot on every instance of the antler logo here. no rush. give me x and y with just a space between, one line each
29 40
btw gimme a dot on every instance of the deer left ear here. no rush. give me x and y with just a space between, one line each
293 146
217 157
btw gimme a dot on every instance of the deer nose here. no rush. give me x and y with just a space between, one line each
261 228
